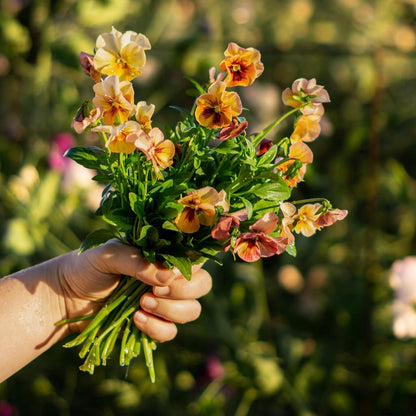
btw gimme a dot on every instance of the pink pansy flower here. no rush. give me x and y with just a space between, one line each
330 217
251 246
303 91
87 63
222 229
233 130
155 147
81 122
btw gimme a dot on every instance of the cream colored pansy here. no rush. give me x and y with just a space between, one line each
121 54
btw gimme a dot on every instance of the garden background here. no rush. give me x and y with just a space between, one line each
310 335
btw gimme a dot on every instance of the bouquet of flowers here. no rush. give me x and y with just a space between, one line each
185 194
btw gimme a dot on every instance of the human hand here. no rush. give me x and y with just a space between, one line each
88 279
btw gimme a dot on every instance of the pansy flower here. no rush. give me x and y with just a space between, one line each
289 211
307 127
155 147
305 91
306 219
82 121
87 62
115 98
199 209
119 141
144 115
242 65
217 108
221 231
258 243
121 54
298 151
330 217
233 130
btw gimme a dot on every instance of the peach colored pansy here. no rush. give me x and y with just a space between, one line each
251 246
289 211
307 127
330 217
217 108
199 209
306 218
115 98
81 122
144 115
297 151
121 54
242 65
304 91
221 231
120 140
155 147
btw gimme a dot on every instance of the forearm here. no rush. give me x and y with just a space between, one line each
31 302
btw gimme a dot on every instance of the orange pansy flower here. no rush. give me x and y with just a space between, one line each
199 208
115 98
242 65
307 127
297 151
217 107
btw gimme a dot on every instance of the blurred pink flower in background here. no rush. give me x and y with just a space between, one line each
74 176
60 144
7 409
214 367
403 281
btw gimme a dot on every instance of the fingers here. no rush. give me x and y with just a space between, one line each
156 328
179 311
180 288
119 258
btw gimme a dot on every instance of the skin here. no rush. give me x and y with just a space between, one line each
72 285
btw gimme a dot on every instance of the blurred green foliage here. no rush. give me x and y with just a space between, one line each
305 336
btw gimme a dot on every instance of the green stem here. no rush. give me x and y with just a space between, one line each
256 141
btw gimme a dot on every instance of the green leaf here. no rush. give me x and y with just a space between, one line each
248 206
273 191
87 157
291 250
168 225
183 263
227 147
197 85
96 238
268 157
170 209
137 205
149 236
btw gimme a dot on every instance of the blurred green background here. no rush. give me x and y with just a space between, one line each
310 335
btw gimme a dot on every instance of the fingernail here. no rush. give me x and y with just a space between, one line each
161 290
140 317
149 302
